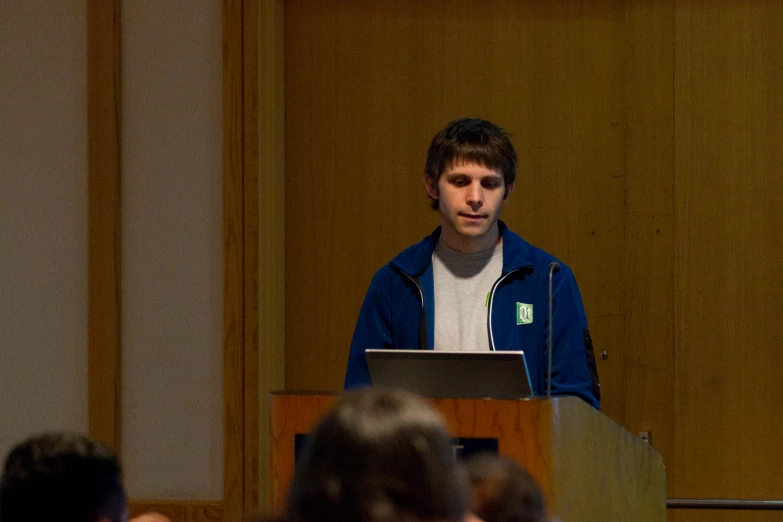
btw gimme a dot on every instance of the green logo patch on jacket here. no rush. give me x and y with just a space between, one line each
524 313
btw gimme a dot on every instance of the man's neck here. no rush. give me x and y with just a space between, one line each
471 245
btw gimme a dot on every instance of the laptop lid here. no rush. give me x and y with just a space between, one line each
446 374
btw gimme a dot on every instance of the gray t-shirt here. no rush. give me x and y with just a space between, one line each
462 285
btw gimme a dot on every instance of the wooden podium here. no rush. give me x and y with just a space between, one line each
590 468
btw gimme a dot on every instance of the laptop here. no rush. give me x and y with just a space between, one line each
459 375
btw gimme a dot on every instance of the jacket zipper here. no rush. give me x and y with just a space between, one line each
423 337
491 299
489 308
418 287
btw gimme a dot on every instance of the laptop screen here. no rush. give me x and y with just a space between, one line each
458 374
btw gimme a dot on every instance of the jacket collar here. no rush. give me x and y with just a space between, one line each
415 259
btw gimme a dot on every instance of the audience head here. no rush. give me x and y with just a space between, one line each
63 478
378 456
501 491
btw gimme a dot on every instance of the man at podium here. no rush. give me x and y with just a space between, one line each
473 284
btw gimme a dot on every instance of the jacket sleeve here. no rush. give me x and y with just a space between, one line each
373 330
573 362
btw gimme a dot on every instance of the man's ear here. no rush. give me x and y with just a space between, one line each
432 187
509 188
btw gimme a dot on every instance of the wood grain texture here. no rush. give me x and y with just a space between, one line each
362 104
271 224
290 414
523 429
564 101
602 471
588 466
250 156
638 376
728 110
588 100
103 220
180 510
649 143
233 259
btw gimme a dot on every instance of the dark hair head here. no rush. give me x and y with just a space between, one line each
472 140
378 456
501 491
67 478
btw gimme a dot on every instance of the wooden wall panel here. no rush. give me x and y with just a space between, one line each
586 91
567 81
588 100
728 254
357 126
234 223
103 220
271 223
649 143
362 104
644 391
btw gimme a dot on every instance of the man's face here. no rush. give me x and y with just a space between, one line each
470 198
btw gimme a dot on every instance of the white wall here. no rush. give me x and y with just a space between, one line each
43 218
172 265
172 310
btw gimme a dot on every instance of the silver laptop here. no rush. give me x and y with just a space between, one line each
460 375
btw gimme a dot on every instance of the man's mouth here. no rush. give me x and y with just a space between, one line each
473 217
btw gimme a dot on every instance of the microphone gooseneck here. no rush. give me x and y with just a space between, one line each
553 267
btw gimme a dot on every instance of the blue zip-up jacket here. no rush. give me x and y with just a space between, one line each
399 312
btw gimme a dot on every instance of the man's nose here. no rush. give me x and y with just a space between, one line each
475 196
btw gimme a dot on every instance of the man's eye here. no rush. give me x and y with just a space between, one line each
491 184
